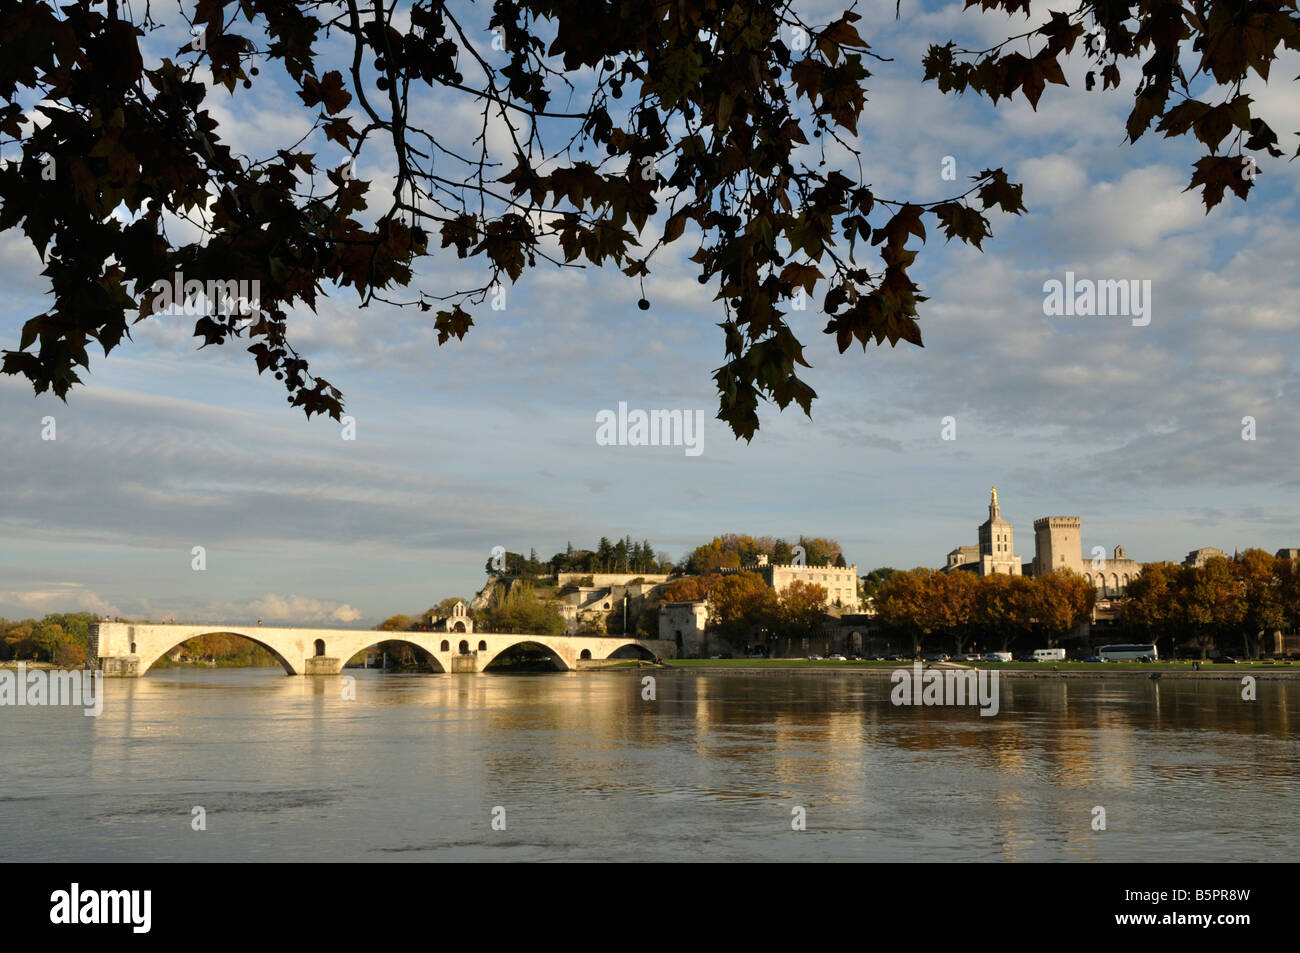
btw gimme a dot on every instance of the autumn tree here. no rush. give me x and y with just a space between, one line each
818 551
1263 609
954 598
800 610
742 606
1288 579
1213 602
1062 600
18 639
710 557
1151 610
903 605
689 588
711 119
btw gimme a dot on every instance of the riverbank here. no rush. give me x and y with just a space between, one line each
1087 670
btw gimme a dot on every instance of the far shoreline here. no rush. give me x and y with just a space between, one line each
1154 672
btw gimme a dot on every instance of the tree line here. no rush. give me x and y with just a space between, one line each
960 609
59 637
732 550
624 556
744 608
1226 603
727 551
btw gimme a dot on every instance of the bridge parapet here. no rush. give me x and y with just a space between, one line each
128 649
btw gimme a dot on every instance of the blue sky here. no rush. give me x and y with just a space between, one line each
491 441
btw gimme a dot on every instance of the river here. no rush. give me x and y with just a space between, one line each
579 766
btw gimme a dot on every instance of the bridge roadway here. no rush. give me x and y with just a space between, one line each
127 649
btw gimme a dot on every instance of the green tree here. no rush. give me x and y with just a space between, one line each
48 637
872 580
518 609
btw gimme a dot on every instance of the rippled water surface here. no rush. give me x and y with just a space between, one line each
585 769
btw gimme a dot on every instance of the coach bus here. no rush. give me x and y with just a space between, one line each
1128 653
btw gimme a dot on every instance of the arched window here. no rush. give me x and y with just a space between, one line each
446 646
482 646
464 647
586 653
320 647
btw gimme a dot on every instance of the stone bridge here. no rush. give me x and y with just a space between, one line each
127 649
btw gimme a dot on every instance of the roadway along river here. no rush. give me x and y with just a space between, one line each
585 769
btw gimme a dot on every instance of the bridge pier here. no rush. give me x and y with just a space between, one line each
322 665
127 666
463 664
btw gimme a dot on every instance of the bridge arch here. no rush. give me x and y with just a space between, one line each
148 661
424 652
631 650
562 663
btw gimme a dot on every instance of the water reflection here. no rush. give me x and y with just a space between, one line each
287 768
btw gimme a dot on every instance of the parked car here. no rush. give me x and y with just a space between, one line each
997 656
836 658
1224 660
814 658
1091 658
936 657
1026 658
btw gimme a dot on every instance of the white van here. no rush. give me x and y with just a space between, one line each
1049 655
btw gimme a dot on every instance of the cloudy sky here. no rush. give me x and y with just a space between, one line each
491 441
